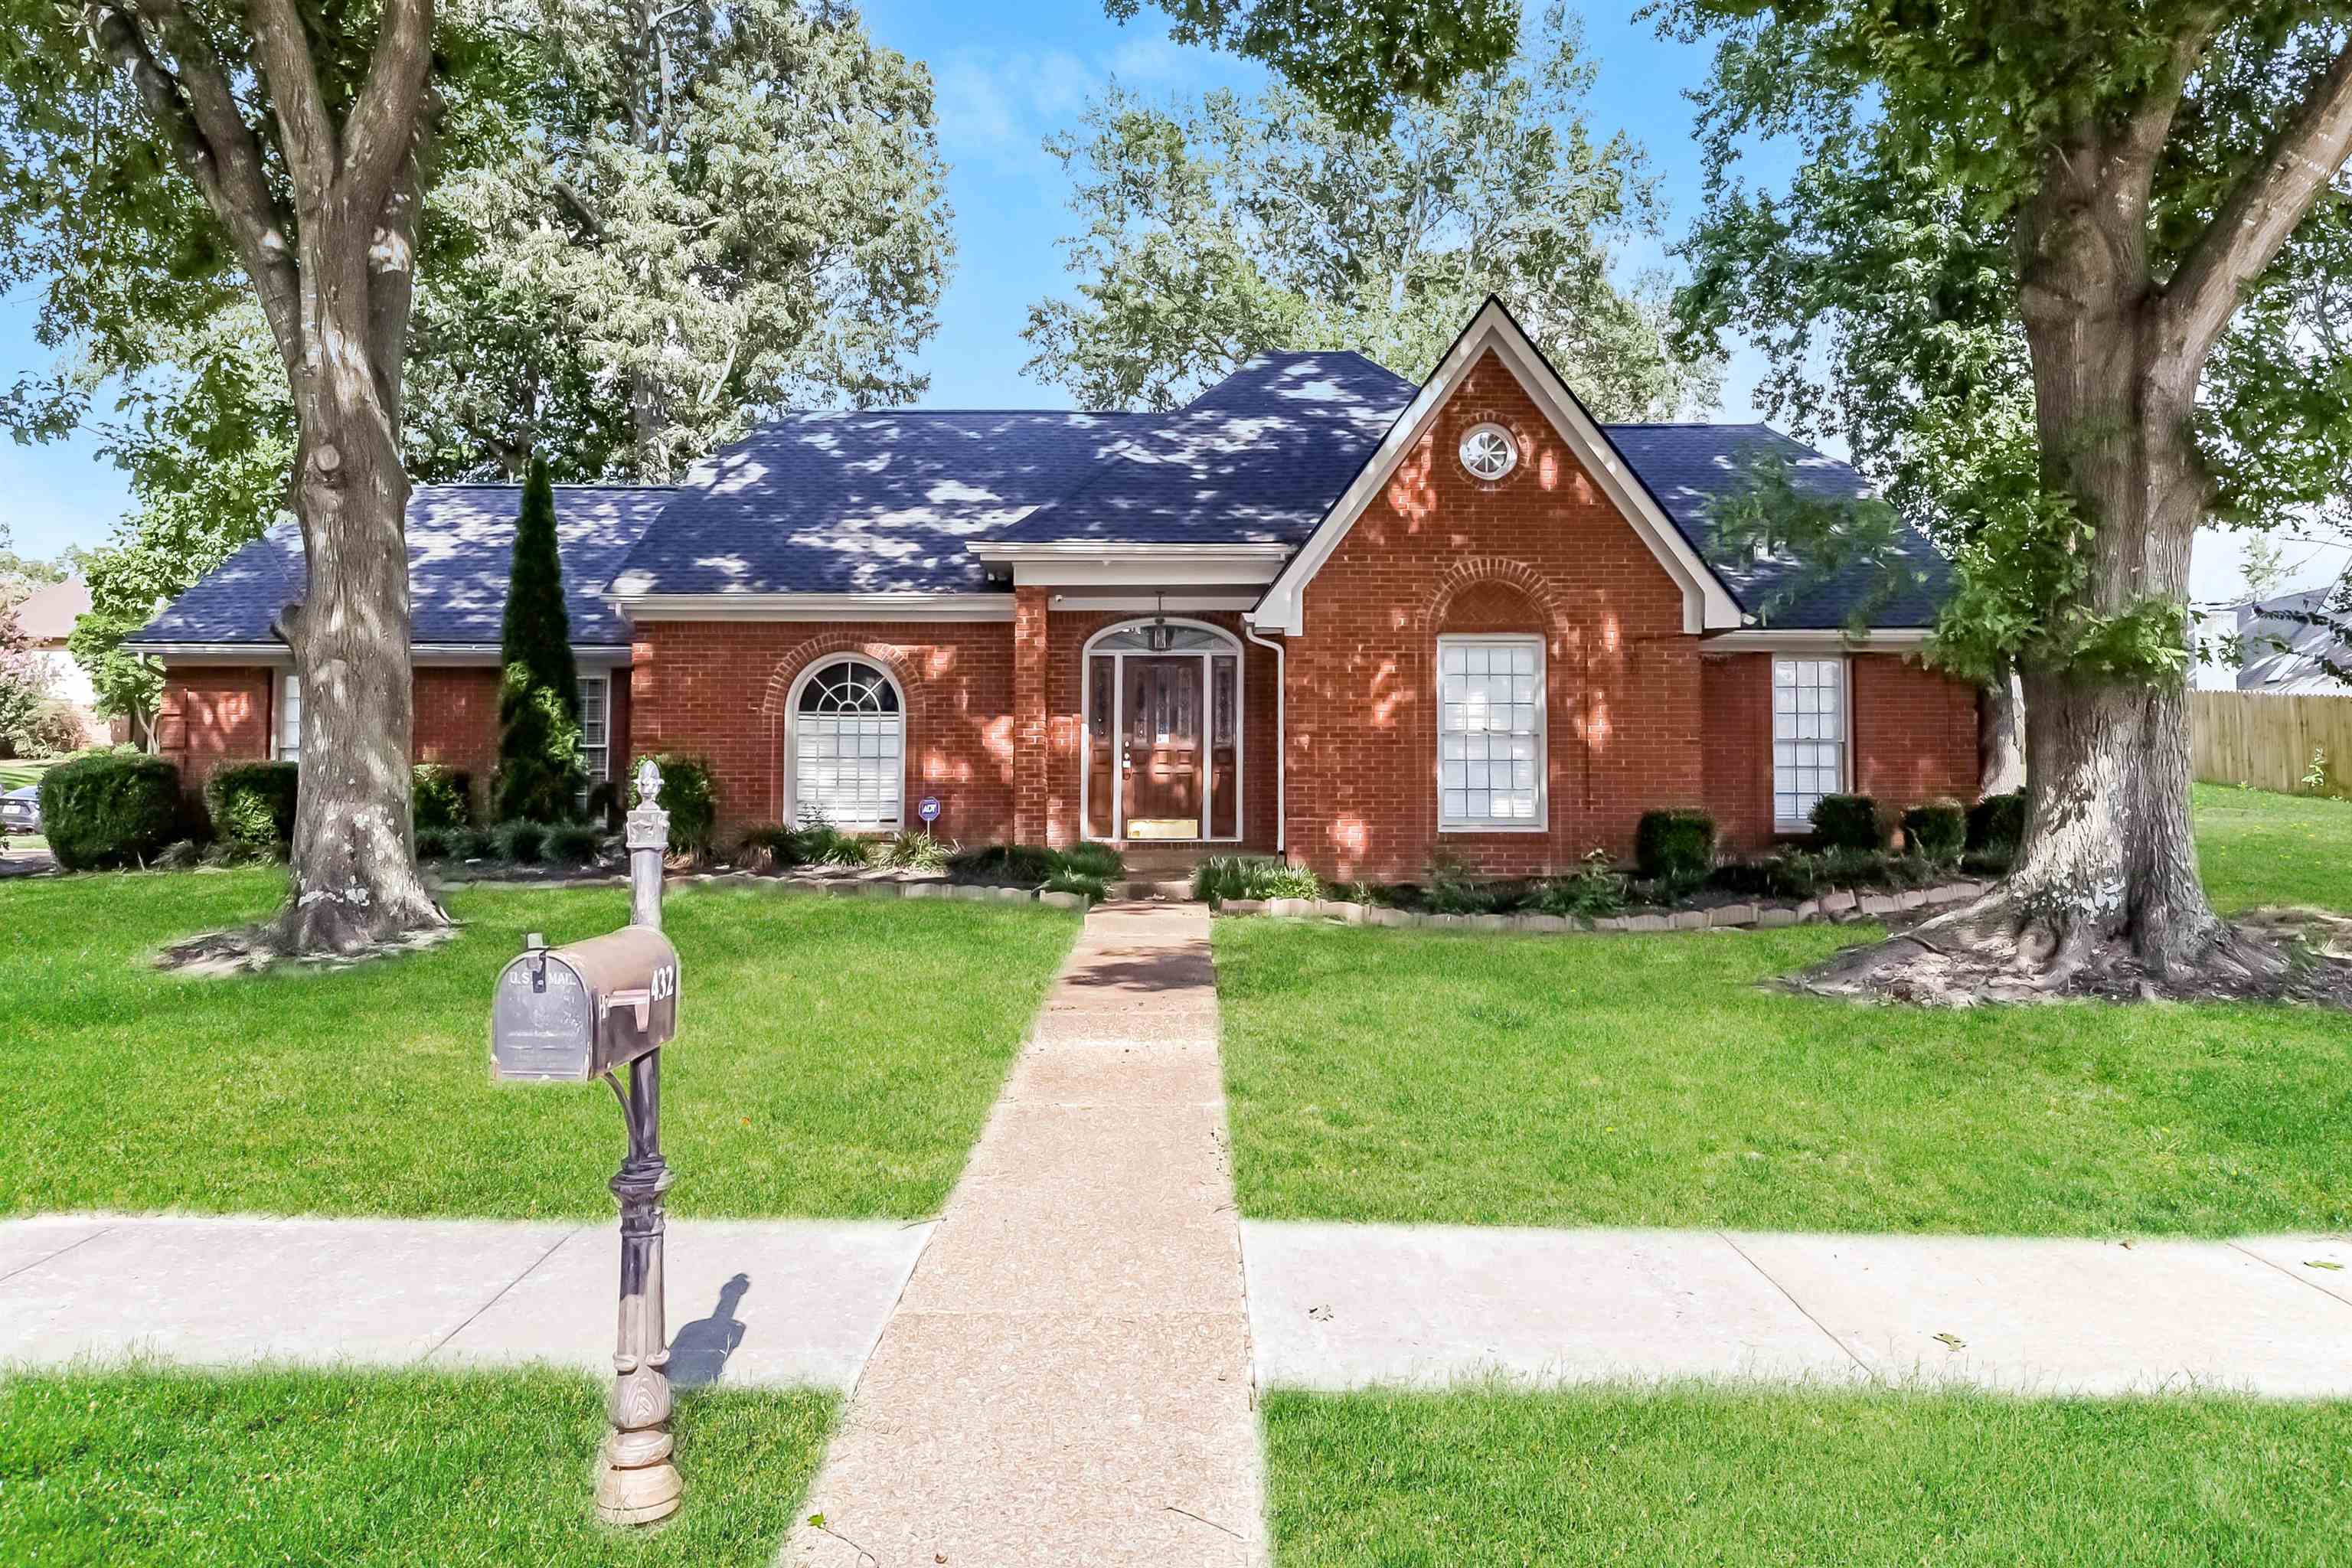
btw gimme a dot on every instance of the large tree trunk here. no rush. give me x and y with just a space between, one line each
355 879
2001 738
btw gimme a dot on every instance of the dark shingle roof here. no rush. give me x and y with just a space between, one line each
1256 460
873 503
1690 468
460 549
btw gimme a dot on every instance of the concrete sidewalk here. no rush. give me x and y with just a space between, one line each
779 1303
1067 1380
1343 1305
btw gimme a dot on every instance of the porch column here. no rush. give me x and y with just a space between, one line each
1030 731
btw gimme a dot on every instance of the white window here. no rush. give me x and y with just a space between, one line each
849 733
1488 451
1808 736
290 717
1490 732
596 727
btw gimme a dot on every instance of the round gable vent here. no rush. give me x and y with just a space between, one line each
1488 451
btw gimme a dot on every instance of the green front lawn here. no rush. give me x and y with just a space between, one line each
1648 1080
2256 847
19 772
835 1056
392 1469
1735 1478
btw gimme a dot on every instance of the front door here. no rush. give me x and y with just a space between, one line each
1162 749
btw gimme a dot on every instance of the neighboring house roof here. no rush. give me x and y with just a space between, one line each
872 502
48 612
2282 654
460 554
1692 468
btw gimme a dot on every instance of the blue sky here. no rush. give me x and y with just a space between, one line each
1006 77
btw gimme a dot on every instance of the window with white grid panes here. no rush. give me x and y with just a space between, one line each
1809 736
595 732
848 747
289 718
1490 731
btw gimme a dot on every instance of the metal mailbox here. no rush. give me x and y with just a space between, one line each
577 1012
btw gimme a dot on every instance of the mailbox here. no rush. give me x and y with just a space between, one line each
576 1013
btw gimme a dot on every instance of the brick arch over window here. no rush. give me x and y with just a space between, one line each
836 645
1472 591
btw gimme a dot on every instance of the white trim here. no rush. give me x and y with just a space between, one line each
1144 571
1281 738
601 656
1510 451
792 782
1114 549
278 681
1845 729
1240 655
1137 602
1761 640
207 653
1541 821
603 679
1706 603
812 606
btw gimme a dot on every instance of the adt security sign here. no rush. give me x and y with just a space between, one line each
928 809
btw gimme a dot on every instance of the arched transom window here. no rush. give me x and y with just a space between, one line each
849 744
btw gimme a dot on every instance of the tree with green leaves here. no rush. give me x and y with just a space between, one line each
2065 269
1220 229
540 776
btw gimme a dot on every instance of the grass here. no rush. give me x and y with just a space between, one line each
835 1058
391 1470
19 772
1412 1077
1690 1475
2256 847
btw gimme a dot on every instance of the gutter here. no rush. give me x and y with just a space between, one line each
1281 738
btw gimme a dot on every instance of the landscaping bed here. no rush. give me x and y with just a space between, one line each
835 1058
1740 1478
222 1470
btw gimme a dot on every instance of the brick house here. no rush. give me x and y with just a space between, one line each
1319 611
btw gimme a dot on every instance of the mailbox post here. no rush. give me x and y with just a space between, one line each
598 1008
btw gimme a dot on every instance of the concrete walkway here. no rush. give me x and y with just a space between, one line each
1068 1378
769 1302
1341 1306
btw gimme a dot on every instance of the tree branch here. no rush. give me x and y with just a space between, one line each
305 131
383 130
2256 218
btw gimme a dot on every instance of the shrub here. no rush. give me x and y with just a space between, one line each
691 799
524 843
1677 845
1221 877
1068 880
1454 890
1847 822
1996 823
831 847
783 845
915 851
574 843
539 687
252 806
1939 830
433 843
110 809
1594 891
440 797
473 844
1100 860
51 730
1024 864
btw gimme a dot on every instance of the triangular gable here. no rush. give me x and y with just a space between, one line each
1707 605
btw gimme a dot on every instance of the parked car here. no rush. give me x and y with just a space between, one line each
20 810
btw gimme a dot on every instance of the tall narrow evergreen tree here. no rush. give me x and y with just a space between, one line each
538 698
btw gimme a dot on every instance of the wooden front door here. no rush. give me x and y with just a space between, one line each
1161 748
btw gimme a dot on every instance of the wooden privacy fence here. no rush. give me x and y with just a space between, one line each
2268 741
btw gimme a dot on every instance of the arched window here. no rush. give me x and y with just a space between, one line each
849 735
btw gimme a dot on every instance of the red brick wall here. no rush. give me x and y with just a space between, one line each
1542 551
457 722
718 690
1038 810
212 715
1914 739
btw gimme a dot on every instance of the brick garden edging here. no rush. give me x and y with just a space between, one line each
883 887
1835 906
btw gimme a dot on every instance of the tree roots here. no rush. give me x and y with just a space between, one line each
1999 949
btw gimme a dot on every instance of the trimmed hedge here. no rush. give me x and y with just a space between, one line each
1997 823
1939 829
1675 846
251 805
1848 822
110 808
691 799
440 797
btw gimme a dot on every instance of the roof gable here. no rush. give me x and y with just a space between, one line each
1707 603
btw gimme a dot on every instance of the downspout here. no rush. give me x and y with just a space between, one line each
1281 740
